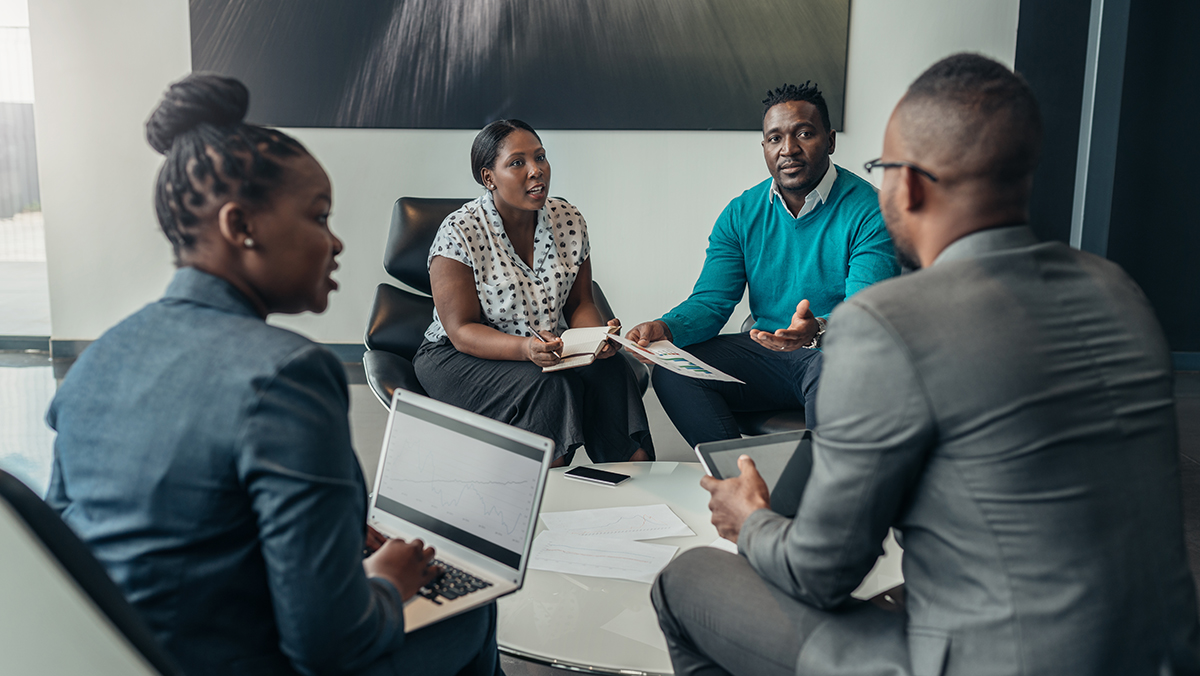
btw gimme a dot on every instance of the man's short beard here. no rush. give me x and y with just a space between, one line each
905 254
906 257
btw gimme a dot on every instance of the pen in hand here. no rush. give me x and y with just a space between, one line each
538 334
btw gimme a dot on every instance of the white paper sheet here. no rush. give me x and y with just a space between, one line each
664 353
887 572
640 522
599 557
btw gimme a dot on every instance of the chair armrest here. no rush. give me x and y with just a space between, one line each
387 371
641 372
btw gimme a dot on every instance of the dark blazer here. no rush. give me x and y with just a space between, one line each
1010 412
205 458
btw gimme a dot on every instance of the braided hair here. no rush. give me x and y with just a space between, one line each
805 92
210 152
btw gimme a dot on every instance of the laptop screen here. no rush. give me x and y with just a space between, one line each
466 484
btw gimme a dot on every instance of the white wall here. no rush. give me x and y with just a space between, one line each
649 197
98 70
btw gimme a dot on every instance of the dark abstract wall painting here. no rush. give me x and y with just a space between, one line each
558 64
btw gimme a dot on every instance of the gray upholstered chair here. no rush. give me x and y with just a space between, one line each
399 317
60 611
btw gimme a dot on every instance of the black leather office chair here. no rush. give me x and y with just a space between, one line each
755 423
51 585
399 317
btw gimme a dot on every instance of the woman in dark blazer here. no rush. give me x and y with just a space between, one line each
204 455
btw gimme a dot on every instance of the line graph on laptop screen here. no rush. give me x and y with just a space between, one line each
470 484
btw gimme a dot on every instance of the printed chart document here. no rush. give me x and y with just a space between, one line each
664 353
599 557
642 522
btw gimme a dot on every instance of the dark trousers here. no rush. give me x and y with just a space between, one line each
464 645
702 410
597 406
719 617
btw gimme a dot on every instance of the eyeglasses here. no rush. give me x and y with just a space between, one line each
880 164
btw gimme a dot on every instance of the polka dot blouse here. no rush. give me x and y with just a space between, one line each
514 297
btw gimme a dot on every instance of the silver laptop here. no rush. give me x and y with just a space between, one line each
468 486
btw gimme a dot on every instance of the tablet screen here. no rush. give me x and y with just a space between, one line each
769 459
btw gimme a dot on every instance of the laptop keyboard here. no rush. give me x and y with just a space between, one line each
451 584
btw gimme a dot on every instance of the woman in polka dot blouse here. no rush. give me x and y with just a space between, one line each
510 271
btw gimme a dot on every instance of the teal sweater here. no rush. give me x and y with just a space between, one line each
826 256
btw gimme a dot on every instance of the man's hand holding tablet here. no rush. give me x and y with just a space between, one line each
735 499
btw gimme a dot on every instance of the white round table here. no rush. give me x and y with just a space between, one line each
594 624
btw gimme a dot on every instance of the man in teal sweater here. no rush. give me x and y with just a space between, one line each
802 242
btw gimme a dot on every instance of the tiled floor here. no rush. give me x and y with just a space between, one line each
27 383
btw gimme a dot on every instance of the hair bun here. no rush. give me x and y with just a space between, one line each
197 99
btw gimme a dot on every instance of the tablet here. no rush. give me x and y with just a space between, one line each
783 460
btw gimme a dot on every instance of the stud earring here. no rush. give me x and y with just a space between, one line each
249 243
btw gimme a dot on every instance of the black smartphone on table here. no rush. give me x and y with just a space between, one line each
596 476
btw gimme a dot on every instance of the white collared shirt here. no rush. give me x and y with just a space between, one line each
816 196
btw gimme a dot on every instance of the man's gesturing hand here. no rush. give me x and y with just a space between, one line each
735 499
405 564
804 326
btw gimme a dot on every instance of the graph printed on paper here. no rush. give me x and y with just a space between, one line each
641 522
599 557
467 484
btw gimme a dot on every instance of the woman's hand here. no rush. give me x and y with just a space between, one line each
610 347
407 565
542 351
375 540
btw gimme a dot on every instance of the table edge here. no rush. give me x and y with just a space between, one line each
576 668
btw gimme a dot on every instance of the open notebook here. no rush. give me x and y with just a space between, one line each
580 346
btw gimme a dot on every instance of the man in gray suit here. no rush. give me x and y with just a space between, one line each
1008 409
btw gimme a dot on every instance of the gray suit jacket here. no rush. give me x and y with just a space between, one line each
1010 412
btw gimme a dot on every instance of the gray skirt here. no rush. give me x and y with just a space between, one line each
598 407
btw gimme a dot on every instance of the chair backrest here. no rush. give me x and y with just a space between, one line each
415 221
59 611
398 321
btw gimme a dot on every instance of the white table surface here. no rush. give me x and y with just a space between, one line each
558 619
604 625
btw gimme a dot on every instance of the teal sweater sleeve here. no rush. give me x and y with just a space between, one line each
872 256
717 291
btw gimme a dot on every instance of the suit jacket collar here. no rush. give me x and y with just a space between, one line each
199 287
987 241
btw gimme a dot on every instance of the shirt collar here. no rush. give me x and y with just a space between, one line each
983 242
817 196
488 203
202 288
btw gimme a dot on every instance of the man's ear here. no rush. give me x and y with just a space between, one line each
832 141
912 190
232 224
